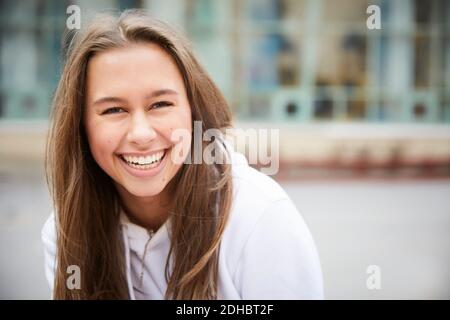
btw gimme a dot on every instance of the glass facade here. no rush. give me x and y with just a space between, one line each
275 60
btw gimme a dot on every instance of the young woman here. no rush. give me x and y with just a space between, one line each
138 224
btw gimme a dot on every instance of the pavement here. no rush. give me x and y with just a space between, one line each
401 226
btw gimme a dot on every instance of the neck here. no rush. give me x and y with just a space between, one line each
147 212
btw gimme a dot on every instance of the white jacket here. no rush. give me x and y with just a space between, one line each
266 252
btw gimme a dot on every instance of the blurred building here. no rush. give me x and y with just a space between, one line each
343 96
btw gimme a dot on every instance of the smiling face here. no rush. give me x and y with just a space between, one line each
135 99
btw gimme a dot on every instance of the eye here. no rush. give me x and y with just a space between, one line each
161 104
113 110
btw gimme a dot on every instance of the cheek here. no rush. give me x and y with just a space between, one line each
178 121
102 145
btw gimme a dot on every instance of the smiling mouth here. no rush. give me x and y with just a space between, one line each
144 163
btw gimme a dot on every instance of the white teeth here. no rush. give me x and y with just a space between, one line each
144 160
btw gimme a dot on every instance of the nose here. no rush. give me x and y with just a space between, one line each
141 131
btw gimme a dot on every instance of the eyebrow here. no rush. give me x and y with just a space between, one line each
154 94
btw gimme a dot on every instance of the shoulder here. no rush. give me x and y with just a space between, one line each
268 248
48 231
48 236
254 194
250 182
259 205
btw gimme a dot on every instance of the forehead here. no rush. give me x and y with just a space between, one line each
133 67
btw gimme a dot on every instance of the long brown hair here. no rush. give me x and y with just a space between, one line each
86 203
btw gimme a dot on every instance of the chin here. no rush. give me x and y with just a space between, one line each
144 192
